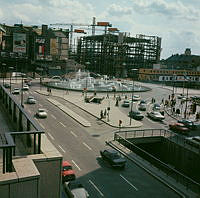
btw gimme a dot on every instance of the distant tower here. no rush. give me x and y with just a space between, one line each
188 51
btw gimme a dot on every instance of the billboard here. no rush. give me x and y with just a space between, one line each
19 42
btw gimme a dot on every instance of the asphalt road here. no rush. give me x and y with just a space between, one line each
81 147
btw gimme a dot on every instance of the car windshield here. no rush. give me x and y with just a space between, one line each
41 110
65 168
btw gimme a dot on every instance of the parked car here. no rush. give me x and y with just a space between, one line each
155 115
126 103
142 106
41 113
25 88
188 123
16 91
76 189
7 85
113 158
136 98
156 107
179 128
68 174
30 100
181 96
136 115
193 141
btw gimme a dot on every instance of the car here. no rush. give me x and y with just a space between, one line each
76 189
41 113
25 88
156 107
136 98
31 100
188 123
16 91
181 96
142 106
179 128
136 115
7 85
126 103
193 141
68 174
155 115
113 157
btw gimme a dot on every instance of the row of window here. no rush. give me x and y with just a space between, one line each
155 71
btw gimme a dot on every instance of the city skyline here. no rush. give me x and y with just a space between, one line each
175 22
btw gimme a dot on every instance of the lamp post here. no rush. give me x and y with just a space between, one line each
3 69
185 112
133 73
10 69
22 105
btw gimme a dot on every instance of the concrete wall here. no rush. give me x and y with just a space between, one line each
34 176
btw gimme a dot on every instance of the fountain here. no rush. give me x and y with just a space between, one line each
83 81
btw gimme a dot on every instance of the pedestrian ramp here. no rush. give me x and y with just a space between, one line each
69 112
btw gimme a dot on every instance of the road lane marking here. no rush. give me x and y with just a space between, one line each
96 188
61 148
87 146
76 165
62 124
50 136
40 105
42 126
29 111
73 134
53 116
128 182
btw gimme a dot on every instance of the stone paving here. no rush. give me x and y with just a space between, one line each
113 116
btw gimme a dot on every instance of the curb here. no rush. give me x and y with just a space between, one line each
45 94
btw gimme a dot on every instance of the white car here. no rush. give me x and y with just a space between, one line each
31 100
76 189
25 88
16 91
126 103
136 98
142 106
155 115
41 113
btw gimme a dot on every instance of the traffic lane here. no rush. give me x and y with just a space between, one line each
84 158
130 182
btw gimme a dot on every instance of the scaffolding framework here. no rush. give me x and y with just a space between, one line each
116 55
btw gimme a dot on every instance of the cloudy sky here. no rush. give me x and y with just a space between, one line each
177 22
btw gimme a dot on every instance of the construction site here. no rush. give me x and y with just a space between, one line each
111 52
117 55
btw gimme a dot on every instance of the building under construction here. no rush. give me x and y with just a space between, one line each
117 55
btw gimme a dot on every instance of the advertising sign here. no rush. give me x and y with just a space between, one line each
19 42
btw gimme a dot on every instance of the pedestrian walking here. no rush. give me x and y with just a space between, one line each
101 114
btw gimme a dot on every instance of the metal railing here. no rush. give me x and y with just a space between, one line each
123 138
26 128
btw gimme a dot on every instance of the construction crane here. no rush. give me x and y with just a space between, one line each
93 25
71 29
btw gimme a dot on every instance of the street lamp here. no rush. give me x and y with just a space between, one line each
22 105
185 113
10 69
133 73
3 69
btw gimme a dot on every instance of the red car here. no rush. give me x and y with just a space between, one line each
179 128
68 173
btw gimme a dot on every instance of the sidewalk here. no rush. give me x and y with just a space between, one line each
112 118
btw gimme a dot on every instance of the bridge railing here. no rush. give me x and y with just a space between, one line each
122 137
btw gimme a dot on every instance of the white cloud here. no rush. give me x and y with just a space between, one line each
175 9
